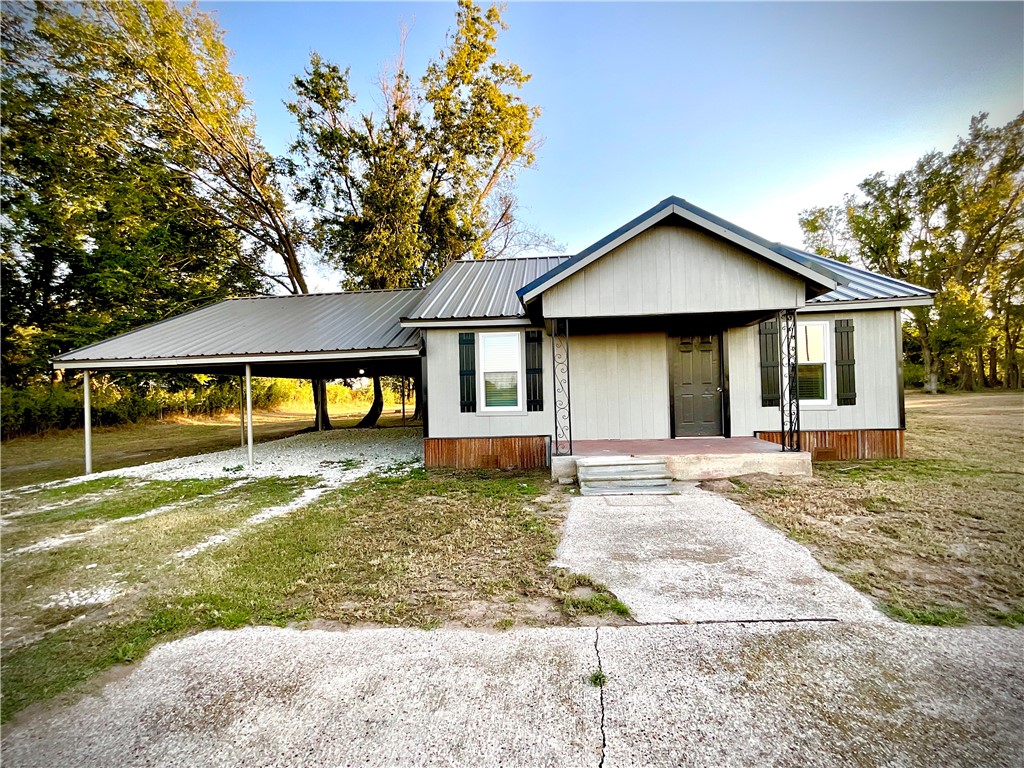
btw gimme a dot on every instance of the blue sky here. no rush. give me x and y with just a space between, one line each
754 111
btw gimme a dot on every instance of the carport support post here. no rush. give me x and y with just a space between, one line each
248 408
241 409
87 402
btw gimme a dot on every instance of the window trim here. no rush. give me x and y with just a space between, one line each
828 361
481 394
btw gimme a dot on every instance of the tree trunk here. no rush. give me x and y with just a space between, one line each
417 413
321 418
370 419
966 373
931 383
982 382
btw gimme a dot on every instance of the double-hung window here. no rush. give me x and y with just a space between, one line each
813 353
500 374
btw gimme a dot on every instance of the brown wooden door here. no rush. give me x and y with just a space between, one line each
697 387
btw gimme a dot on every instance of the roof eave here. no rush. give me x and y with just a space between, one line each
199 360
840 305
462 322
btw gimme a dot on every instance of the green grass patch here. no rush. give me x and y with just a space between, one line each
930 615
597 679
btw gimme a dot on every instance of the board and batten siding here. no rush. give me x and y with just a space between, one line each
672 269
619 385
876 334
447 419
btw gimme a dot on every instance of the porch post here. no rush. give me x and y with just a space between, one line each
241 409
248 408
403 401
561 439
789 395
87 403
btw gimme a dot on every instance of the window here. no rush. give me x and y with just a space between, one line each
501 371
812 354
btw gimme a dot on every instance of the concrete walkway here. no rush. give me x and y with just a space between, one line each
805 694
699 557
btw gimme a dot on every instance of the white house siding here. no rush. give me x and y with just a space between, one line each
445 417
619 386
875 336
673 269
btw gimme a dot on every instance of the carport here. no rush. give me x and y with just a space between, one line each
307 336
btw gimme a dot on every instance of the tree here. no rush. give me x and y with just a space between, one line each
397 196
100 235
176 67
955 224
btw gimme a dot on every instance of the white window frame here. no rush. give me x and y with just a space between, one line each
481 394
828 362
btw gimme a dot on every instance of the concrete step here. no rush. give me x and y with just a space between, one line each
630 482
613 461
658 490
623 472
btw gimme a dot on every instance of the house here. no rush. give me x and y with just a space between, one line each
677 324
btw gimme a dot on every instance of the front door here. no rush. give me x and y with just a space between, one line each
697 386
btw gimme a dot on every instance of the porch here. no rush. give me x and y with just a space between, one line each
687 458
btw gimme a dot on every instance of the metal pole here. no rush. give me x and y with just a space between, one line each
88 422
403 401
248 408
241 410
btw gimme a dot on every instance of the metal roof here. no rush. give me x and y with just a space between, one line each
859 284
480 290
265 327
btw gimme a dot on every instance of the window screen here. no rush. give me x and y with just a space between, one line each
812 361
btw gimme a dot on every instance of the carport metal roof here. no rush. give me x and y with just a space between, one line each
282 335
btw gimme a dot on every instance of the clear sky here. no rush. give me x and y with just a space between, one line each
753 111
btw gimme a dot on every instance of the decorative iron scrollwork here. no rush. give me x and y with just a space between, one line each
789 402
561 444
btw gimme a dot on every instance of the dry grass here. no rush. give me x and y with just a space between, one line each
417 549
60 455
937 538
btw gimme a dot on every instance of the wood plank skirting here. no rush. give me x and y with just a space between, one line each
486 452
847 444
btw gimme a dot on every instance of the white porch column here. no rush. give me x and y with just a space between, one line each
241 410
248 408
87 399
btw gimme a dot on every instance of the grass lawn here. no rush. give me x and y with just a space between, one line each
937 538
60 455
417 549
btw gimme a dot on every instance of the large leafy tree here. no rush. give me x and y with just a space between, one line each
953 223
101 235
398 194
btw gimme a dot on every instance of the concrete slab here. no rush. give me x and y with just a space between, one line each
697 556
378 697
813 694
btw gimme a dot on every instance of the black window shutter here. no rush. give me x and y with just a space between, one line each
768 334
846 382
467 372
534 371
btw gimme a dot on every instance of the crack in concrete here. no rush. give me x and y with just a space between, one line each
600 689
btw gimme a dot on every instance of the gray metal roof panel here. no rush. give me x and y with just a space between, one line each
261 325
481 289
859 284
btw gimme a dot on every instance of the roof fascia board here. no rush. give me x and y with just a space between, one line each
464 322
167 362
648 222
856 304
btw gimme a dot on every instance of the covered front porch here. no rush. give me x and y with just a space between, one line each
687 458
